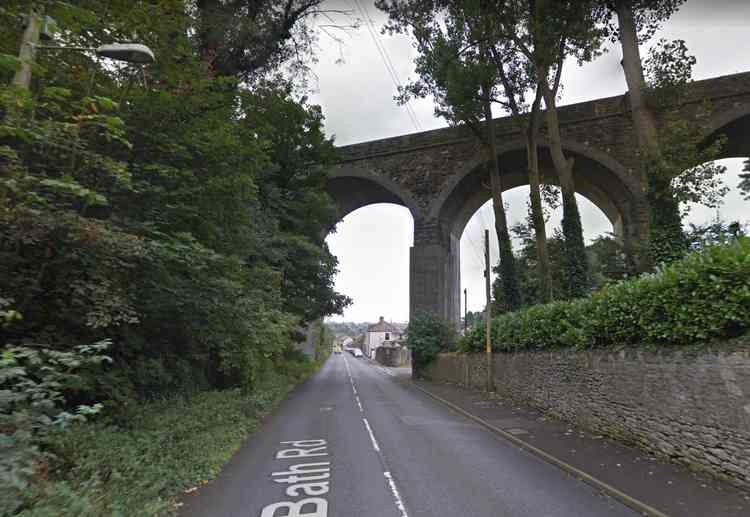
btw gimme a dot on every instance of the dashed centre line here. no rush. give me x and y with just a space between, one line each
396 495
389 478
372 436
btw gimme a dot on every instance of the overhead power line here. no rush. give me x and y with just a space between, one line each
386 60
474 247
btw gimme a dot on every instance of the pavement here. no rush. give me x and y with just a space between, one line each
665 487
359 440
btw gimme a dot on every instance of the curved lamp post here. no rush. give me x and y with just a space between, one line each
128 52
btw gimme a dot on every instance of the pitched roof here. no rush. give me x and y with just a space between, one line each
382 326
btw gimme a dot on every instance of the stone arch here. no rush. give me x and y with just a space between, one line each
735 124
353 187
598 177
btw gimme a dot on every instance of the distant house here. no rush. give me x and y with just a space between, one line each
344 341
379 333
359 342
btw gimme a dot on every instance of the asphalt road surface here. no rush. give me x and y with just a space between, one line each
354 442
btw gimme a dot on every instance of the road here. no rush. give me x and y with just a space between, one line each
353 441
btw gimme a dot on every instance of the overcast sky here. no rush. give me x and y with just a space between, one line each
356 94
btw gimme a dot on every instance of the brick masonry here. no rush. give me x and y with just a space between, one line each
693 408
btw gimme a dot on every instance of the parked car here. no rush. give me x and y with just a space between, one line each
337 350
357 352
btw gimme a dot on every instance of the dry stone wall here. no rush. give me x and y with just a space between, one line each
693 408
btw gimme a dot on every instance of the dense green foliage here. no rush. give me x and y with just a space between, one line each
179 213
137 463
348 328
684 171
705 295
426 336
33 383
606 262
576 262
174 211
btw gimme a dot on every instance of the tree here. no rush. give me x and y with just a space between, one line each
177 211
744 185
517 81
667 151
245 39
455 67
426 336
545 33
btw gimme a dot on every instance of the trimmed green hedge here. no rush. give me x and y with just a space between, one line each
704 296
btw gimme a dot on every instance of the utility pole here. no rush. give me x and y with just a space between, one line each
466 310
488 311
26 55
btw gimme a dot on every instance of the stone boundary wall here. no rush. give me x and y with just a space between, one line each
693 408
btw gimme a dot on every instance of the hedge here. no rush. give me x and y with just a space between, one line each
704 296
426 336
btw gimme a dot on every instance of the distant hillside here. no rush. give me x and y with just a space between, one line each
347 328
354 329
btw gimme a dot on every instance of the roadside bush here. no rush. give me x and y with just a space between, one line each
34 384
138 462
704 296
426 336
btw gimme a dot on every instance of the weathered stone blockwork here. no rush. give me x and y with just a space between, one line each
693 409
441 175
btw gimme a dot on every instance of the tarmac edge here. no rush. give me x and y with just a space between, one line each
613 492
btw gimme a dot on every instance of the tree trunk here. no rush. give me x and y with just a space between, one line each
537 212
662 230
575 249
210 31
643 119
508 277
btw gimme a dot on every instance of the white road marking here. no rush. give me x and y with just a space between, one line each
311 479
372 436
391 483
396 495
351 381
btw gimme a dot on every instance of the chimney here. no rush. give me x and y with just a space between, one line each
382 319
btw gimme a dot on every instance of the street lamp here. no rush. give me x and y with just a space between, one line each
128 52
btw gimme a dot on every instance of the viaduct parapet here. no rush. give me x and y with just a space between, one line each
441 175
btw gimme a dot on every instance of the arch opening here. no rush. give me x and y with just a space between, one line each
352 193
594 181
734 125
733 206
607 202
597 229
371 240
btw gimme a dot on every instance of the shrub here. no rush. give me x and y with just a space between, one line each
139 461
34 383
426 336
704 296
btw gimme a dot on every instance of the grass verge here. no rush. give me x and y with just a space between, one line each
140 461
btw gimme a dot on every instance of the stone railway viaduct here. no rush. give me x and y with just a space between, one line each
441 175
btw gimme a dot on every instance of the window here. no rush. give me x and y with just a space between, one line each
387 336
